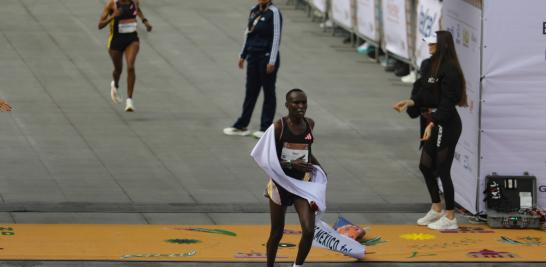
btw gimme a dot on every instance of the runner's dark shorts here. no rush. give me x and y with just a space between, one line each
121 41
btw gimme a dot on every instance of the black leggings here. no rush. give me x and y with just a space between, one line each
437 158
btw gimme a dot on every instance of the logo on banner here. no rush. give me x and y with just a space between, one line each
464 159
544 27
542 189
426 21
456 32
393 11
466 37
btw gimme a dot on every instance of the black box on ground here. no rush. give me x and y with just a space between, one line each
511 200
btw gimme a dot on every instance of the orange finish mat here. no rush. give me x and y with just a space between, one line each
245 243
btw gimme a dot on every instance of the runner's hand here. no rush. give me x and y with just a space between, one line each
4 106
148 26
302 166
427 132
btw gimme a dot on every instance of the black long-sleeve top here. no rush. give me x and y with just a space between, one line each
263 33
441 93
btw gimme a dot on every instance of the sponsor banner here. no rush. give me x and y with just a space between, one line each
513 138
320 5
342 13
463 20
366 19
428 21
328 238
395 27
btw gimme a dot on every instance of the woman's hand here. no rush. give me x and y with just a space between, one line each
302 166
401 106
427 132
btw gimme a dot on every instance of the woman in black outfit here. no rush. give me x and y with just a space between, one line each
293 138
434 99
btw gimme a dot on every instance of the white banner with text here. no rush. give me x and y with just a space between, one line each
366 19
320 5
395 27
342 13
428 22
463 20
513 138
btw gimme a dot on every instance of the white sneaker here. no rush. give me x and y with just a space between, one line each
258 134
235 131
114 93
444 224
410 78
129 105
327 24
430 217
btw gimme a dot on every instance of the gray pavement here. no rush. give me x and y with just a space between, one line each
68 155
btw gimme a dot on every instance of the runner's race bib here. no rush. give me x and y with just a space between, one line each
127 27
291 151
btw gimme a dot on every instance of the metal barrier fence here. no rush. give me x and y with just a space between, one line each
394 26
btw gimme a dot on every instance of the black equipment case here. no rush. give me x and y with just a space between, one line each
511 201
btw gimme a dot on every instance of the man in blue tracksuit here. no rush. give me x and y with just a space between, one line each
261 51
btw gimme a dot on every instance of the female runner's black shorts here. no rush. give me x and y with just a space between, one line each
121 41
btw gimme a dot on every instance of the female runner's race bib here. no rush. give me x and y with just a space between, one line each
127 27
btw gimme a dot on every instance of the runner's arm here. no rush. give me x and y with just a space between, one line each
278 131
106 17
312 159
142 17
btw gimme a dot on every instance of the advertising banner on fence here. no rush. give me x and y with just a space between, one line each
342 13
463 20
395 28
514 91
320 5
428 21
366 19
